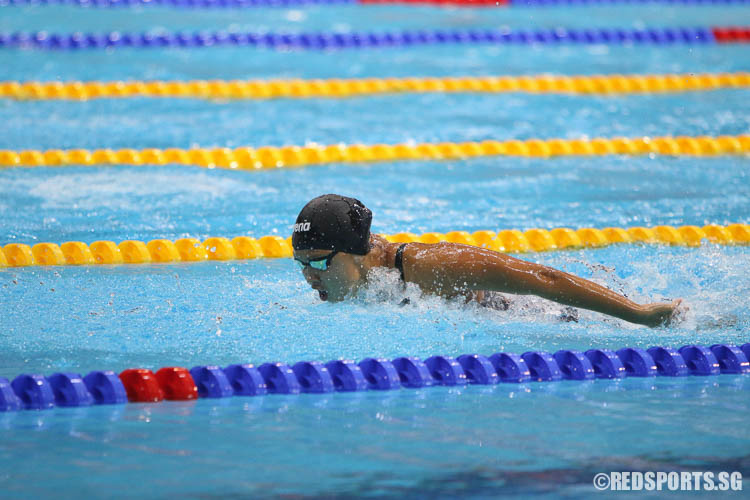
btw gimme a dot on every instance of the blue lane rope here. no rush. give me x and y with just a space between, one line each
232 4
322 41
33 391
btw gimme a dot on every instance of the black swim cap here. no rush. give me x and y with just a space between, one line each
333 222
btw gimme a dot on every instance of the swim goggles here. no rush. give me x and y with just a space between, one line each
320 264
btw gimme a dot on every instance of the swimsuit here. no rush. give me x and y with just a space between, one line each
399 264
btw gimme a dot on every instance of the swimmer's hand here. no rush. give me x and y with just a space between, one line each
662 313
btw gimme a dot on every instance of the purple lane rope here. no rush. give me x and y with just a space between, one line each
363 40
37 392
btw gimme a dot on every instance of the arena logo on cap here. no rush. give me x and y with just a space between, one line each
301 227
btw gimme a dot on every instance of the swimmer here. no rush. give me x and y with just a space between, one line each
333 245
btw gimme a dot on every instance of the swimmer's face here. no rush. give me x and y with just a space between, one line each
342 277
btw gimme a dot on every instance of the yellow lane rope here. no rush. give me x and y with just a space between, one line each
337 88
295 156
244 247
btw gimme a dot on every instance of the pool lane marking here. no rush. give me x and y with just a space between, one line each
514 3
365 40
37 392
231 4
245 247
272 157
347 88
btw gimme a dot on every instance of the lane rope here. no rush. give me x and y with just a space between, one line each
141 385
553 3
189 4
245 247
272 157
328 41
345 88
233 4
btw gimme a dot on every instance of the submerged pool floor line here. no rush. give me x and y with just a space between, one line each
37 392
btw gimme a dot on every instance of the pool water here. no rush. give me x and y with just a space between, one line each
540 440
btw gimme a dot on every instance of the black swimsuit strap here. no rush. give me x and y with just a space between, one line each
400 260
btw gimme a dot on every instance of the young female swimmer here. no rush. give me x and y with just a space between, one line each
333 245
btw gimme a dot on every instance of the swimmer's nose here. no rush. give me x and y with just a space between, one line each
310 274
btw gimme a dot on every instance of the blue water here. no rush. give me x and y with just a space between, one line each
184 123
247 62
221 313
542 440
86 203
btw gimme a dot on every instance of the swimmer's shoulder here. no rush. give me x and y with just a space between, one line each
390 249
414 255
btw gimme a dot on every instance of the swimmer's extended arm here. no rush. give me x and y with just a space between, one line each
448 268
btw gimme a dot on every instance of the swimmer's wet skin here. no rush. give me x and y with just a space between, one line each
333 245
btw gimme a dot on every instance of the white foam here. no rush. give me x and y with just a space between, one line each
121 189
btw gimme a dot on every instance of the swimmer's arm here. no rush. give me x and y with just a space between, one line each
447 268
